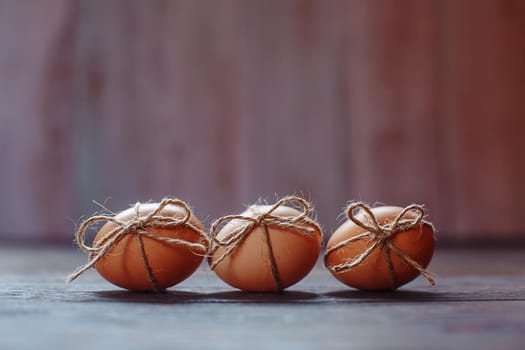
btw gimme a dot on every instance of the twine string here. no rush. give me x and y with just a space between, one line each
271 256
381 236
140 226
266 220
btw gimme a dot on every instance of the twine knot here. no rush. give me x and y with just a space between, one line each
381 236
140 226
266 220
259 220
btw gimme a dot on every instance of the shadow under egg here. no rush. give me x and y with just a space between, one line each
284 297
398 296
165 297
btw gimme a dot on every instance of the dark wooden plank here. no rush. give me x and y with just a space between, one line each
461 274
478 303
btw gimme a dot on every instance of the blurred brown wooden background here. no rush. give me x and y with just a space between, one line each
221 102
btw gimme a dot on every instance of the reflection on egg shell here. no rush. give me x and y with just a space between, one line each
373 272
249 266
170 263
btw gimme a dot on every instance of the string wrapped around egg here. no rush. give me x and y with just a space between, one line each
149 247
267 248
381 248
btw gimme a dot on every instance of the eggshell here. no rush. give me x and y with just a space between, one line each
170 263
249 267
373 272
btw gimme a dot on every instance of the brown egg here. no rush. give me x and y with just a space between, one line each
170 263
249 266
373 272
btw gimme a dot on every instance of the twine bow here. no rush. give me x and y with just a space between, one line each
138 226
382 236
266 220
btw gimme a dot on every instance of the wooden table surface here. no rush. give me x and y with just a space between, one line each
478 303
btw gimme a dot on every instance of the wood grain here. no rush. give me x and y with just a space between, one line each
393 105
36 125
484 86
221 103
478 303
